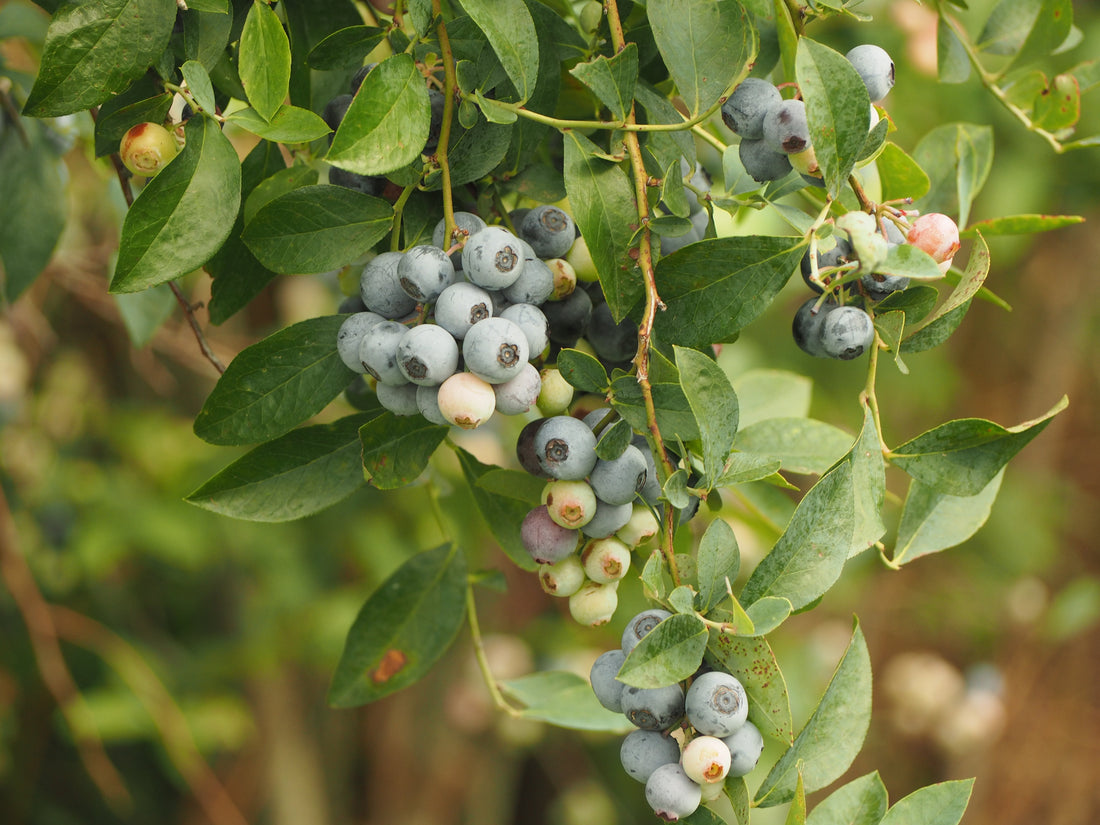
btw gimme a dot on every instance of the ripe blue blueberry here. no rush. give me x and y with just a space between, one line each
617 480
378 352
565 447
879 285
786 128
425 271
495 350
380 287
672 794
427 355
427 401
716 704
846 333
568 318
744 110
334 111
351 335
841 253
493 258
608 689
612 341
359 76
643 751
549 230
367 184
525 449
745 744
518 395
640 625
608 519
532 321
806 327
653 708
875 67
466 224
398 400
544 539
762 162
651 490
535 284
462 305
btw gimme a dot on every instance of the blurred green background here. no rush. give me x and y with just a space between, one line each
200 648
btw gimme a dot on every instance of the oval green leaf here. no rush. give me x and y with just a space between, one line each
668 654
510 30
563 699
396 448
714 405
289 124
264 60
752 661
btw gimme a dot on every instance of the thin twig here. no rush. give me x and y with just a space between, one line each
450 83
43 636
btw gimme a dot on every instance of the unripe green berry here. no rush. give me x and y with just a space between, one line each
147 148
556 393
565 278
594 604
580 258
641 528
605 560
569 503
563 578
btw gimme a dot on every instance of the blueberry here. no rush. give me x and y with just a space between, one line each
359 76
380 288
608 519
640 625
398 400
351 335
544 539
745 745
846 333
698 231
351 304
640 528
460 306
700 182
879 285
525 449
147 148
617 480
424 272
565 278
716 704
936 234
427 355
535 284
875 67
807 325
841 253
549 230
532 321
436 100
594 604
569 503
785 127
568 319
565 448
466 224
465 400
367 184
592 419
643 751
651 490
653 708
605 560
378 352
671 793
608 689
495 349
493 258
518 395
556 394
762 162
563 578
612 341
744 110
706 760
334 111
427 401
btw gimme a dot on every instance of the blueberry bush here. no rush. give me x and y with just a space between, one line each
551 221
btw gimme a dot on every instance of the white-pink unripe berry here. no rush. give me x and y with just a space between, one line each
605 560
706 759
936 234
466 401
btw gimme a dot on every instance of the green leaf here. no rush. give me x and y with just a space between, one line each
868 486
935 328
386 126
293 476
909 261
264 60
957 158
914 303
753 663
952 61
837 108
933 520
508 26
583 371
205 36
834 734
503 515
517 484
346 48
861 802
674 414
611 79
962 457
808 558
767 614
614 440
668 654
563 699
941 804
796 813
475 154
1028 29
32 180
138 104
198 83
901 176
737 792
94 50
405 626
316 228
718 561
767 393
396 448
276 185
802 445
603 207
274 385
715 288
710 396
289 124
1020 225
707 46
184 214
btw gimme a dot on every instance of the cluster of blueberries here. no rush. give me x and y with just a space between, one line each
688 739
594 511
832 329
775 135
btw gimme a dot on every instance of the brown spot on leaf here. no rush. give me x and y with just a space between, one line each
392 663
